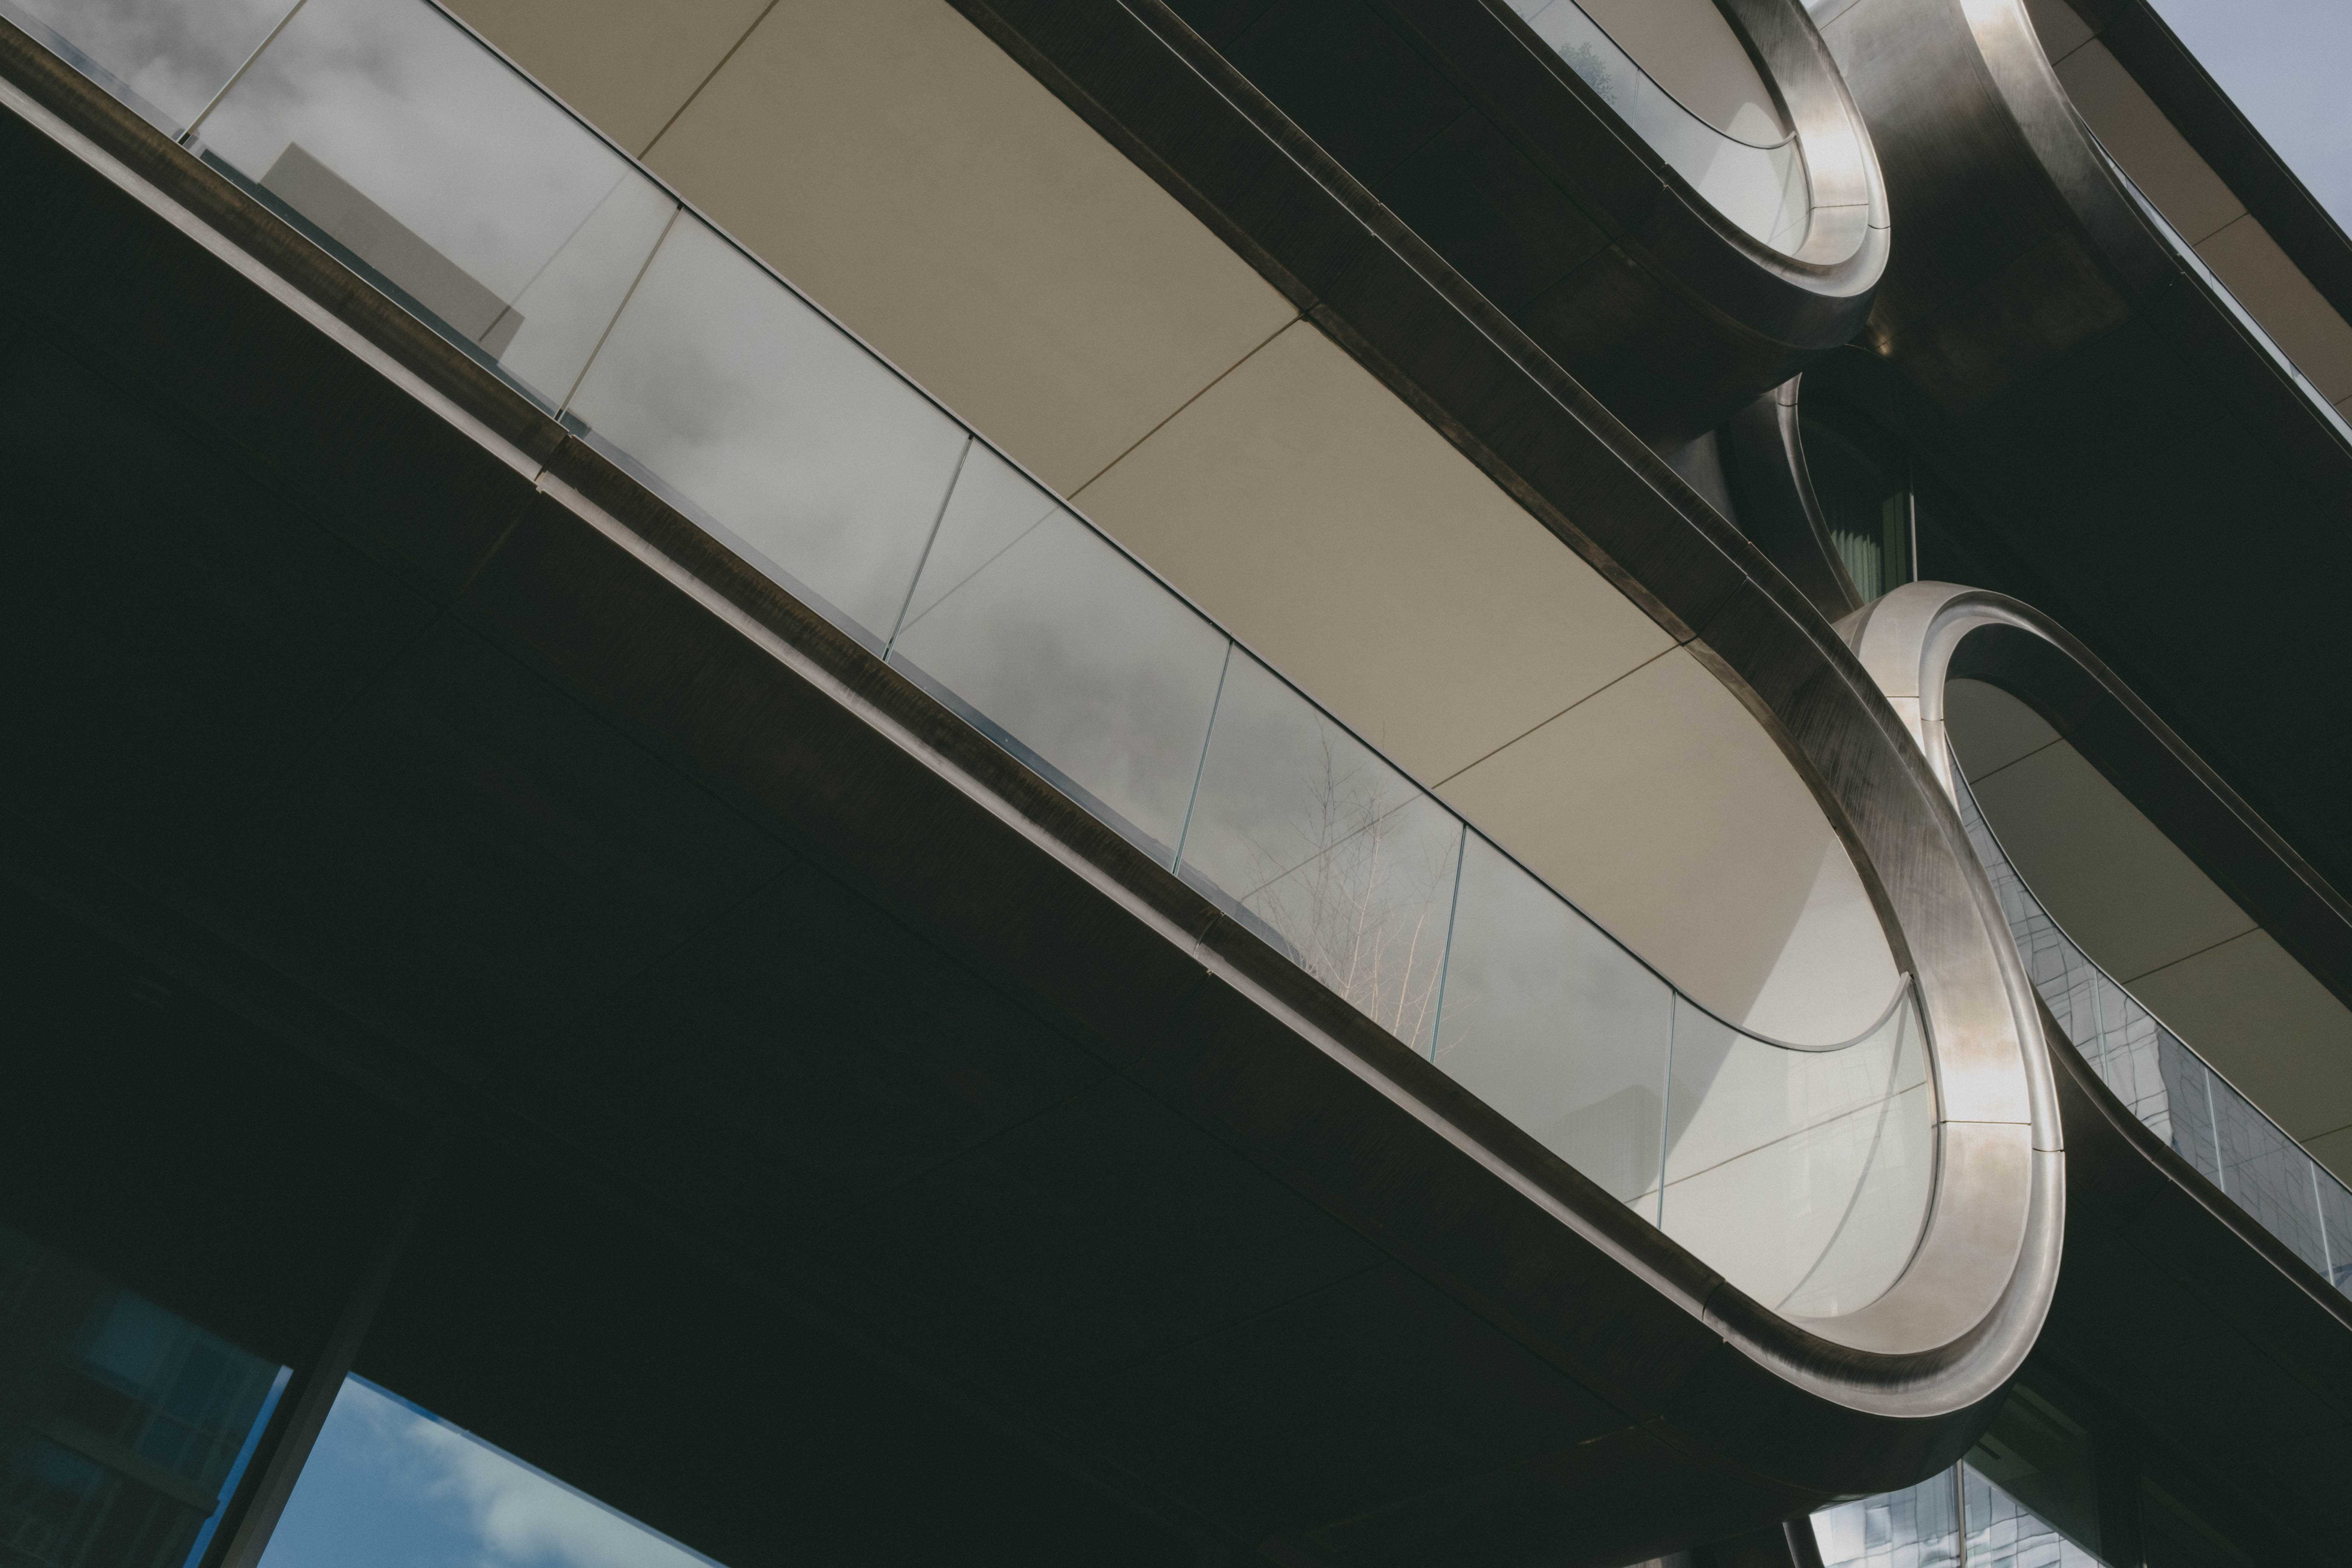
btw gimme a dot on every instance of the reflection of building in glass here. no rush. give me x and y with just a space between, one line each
380 242
1914 1529
122 1425
2026 1497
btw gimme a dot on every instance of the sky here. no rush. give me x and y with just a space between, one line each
2287 65
390 1487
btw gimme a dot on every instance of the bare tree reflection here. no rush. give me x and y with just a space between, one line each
1360 887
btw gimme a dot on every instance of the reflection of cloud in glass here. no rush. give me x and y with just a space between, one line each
774 424
1057 640
175 54
403 106
388 1484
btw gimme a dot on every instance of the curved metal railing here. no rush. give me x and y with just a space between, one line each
2175 1092
1760 185
410 150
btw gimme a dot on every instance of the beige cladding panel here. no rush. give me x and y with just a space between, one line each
2059 25
1990 728
2275 1032
1330 529
2160 160
2296 315
627 65
916 182
1662 808
2115 883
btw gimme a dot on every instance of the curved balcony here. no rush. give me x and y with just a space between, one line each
2198 1224
1877 1221
1803 1174
2175 1093
1911 638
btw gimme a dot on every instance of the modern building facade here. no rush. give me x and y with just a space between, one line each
1311 782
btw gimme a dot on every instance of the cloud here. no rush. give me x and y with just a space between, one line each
521 1519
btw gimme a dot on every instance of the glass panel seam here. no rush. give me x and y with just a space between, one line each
2213 1130
1445 958
1208 738
1961 1515
2319 1207
1666 1102
623 308
930 542
188 137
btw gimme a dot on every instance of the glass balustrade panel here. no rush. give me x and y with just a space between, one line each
2336 1220
2268 1175
1547 1019
367 123
1307 835
166 58
775 428
2187 1122
1058 646
1804 1175
2131 1054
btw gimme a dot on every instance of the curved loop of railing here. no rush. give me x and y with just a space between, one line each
406 147
1760 185
1907 640
2173 1090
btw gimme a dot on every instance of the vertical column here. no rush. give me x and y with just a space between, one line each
252 1511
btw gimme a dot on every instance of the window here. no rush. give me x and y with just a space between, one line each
1862 478
122 1427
